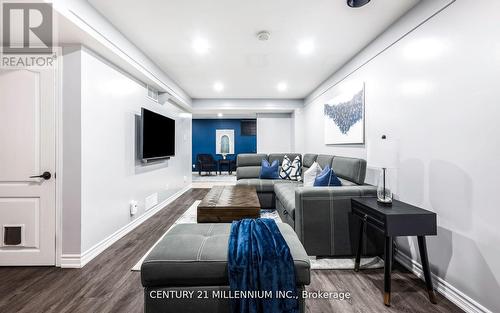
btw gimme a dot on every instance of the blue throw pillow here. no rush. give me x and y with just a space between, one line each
270 171
326 178
334 180
322 179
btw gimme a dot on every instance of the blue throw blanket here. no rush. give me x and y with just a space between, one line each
259 260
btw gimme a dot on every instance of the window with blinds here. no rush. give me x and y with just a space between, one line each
249 127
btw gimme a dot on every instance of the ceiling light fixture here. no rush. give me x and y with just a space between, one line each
282 86
220 115
306 47
357 3
201 46
218 86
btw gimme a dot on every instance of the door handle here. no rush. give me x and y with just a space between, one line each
45 175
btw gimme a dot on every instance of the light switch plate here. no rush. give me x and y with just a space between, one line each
151 201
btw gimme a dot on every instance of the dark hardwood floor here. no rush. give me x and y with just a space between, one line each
107 284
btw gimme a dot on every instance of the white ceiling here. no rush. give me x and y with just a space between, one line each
248 68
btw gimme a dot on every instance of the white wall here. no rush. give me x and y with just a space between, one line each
274 133
436 90
111 175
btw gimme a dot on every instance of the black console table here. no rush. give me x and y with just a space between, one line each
400 219
227 163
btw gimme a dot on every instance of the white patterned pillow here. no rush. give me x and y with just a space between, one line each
291 170
296 173
310 174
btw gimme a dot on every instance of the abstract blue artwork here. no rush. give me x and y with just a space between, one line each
344 116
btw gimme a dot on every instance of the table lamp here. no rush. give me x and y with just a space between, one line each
383 154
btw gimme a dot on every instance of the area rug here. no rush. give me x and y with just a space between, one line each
189 217
345 263
213 180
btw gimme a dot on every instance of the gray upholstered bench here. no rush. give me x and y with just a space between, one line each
187 270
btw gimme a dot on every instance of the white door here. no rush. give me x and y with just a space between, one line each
27 148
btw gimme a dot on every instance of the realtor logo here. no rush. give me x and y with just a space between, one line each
27 28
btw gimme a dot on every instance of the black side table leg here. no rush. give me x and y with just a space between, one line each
387 270
422 247
360 246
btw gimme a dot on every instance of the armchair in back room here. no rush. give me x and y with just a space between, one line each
206 163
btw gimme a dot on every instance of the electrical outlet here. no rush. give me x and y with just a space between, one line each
133 207
151 201
185 179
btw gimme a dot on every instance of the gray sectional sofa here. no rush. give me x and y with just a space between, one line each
319 215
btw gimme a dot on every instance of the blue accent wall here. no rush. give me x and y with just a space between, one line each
204 137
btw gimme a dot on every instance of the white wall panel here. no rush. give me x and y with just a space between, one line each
101 142
111 173
274 133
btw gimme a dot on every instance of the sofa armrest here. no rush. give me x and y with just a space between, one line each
322 217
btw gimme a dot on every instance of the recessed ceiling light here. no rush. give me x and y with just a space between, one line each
306 47
218 86
282 86
357 3
220 115
201 45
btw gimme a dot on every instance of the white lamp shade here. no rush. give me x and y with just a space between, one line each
383 153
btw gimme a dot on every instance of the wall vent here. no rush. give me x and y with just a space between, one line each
152 93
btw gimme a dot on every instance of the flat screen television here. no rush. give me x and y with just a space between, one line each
157 136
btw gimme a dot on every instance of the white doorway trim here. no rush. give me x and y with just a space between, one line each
59 153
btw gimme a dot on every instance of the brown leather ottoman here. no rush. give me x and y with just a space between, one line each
224 204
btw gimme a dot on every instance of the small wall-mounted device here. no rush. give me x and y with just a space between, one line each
152 93
133 207
264 35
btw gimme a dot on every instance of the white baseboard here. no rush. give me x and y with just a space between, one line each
70 261
80 260
456 296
